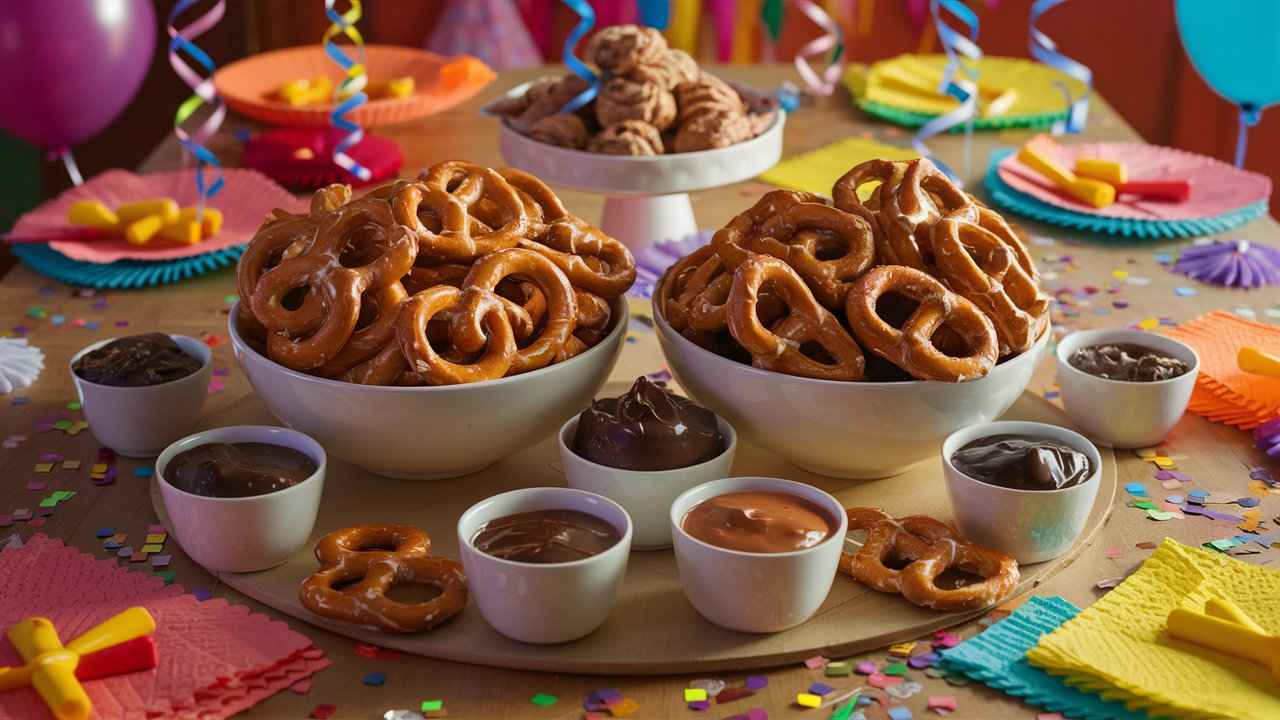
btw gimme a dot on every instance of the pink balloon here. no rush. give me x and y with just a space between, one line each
69 67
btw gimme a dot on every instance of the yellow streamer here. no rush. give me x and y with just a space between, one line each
683 31
745 29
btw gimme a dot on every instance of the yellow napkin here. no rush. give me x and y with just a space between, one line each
816 171
1034 83
1118 646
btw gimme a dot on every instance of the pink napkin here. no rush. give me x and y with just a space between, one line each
245 201
1216 187
216 659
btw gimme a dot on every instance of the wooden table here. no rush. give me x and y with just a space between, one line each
1216 456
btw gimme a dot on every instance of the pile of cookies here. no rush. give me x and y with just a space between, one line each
465 274
654 100
900 275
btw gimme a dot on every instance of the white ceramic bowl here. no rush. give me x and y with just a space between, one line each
756 592
551 603
1119 413
646 495
842 429
250 533
141 421
1031 525
431 432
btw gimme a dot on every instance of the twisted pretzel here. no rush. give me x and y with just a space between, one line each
910 210
807 321
485 193
592 260
561 306
844 194
929 547
486 316
358 554
981 267
912 347
382 307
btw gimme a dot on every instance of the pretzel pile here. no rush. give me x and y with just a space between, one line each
465 274
929 548
654 100
931 284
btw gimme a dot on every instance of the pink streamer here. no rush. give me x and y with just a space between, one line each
824 83
722 14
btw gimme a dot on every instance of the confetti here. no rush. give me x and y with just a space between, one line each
155 538
756 683
37 485
905 690
1183 291
897 668
202 594
945 639
323 712
899 713
700 705
70 464
880 680
626 707
945 703
816 662
153 548
143 472
544 700
902 649
838 669
159 561
1161 515
923 660
866 667
375 679
820 689
1136 489
808 700
729 695
694 694
713 686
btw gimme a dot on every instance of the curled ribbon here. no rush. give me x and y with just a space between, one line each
832 41
959 80
655 13
202 93
1044 49
351 90
586 21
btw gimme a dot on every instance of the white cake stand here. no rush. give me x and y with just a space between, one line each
646 197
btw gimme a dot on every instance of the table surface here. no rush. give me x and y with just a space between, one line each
1217 457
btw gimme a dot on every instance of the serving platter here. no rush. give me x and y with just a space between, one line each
652 629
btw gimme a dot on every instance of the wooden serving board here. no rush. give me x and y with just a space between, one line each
653 628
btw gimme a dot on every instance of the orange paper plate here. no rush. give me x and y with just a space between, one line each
249 86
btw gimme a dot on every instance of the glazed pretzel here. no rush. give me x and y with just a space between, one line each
561 306
673 283
593 261
357 554
807 321
912 347
483 310
353 248
844 194
981 267
930 547
804 231
909 212
382 307
488 196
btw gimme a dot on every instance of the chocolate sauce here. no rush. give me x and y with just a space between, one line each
1023 463
136 361
1133 363
233 470
546 536
758 522
649 428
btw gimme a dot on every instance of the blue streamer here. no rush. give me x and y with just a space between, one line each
356 77
1044 49
587 21
202 93
959 80
655 13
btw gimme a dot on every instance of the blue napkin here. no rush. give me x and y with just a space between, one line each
996 658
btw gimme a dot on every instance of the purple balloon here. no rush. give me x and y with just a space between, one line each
69 67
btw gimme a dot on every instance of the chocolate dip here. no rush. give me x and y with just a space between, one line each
136 361
234 470
546 536
1133 363
758 522
649 428
1023 463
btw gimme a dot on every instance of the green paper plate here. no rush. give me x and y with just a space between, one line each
908 118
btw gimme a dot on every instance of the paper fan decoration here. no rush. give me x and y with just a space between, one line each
654 260
123 274
20 364
303 157
1267 437
1231 263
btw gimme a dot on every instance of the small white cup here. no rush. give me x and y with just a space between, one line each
756 592
645 494
552 602
1031 525
1119 413
141 421
249 533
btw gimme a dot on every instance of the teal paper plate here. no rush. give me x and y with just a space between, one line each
1023 204
123 274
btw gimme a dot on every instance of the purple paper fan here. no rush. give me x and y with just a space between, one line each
1267 437
1232 263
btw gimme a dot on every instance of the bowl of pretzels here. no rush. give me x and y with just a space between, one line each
851 335
433 326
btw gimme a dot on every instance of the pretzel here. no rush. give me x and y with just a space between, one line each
483 310
807 321
912 347
981 267
561 312
334 271
478 189
355 559
844 194
592 261
910 210
382 307
929 547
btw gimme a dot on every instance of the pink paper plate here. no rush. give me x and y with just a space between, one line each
245 201
1216 187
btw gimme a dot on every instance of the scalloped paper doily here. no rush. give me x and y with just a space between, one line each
123 274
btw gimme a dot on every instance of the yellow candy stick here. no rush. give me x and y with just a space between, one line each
92 213
211 221
140 232
1257 362
1230 637
400 87
183 232
1111 172
1092 192
165 208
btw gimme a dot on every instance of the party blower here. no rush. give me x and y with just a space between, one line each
119 645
